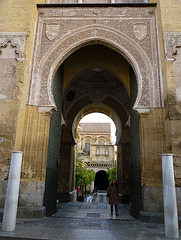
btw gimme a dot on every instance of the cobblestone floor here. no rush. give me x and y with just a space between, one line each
86 221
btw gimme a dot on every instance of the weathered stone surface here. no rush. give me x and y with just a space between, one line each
31 212
31 194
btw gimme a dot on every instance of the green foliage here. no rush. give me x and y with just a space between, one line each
84 177
91 175
77 134
111 174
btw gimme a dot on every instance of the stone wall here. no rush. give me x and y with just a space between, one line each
17 27
16 42
34 146
170 16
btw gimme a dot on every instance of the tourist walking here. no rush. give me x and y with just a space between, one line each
112 193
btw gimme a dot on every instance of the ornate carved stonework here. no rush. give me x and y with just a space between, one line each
129 31
140 31
10 52
102 85
172 42
52 31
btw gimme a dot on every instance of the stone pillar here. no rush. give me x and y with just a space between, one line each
11 203
119 167
124 166
126 172
66 172
169 197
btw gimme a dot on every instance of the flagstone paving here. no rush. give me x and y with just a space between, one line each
88 221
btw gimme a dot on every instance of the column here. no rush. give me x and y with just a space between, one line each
169 197
11 203
66 172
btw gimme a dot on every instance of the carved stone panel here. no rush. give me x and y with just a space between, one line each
140 30
7 75
52 31
8 63
177 69
173 53
11 48
172 42
130 31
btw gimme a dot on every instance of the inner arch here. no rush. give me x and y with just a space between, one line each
101 108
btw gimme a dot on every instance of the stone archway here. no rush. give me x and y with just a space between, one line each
101 108
78 100
129 32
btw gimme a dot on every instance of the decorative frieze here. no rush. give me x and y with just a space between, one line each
129 31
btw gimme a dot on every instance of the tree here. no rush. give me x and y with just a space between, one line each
91 175
84 177
80 169
111 174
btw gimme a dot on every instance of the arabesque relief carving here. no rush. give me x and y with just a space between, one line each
102 84
129 31
9 51
172 42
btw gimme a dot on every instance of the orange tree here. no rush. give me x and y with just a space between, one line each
111 174
84 177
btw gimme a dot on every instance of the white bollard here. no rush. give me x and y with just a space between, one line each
169 197
11 203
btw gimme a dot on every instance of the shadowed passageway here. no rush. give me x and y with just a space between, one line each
101 181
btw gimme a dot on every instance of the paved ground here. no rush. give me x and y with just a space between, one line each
86 221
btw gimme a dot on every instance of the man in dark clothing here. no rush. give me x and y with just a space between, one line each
80 198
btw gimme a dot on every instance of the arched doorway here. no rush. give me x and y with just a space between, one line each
95 85
96 52
101 181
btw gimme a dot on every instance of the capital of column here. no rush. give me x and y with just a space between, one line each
167 154
17 152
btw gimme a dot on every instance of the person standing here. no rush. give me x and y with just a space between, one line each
80 198
89 198
112 193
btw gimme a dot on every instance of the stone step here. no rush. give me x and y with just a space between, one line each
20 238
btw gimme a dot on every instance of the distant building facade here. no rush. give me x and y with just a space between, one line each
99 152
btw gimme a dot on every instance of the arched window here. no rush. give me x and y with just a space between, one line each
106 151
97 151
87 146
101 142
